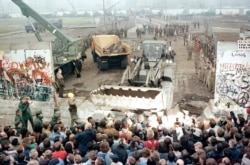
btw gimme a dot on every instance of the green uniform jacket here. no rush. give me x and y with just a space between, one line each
25 111
19 123
53 122
38 121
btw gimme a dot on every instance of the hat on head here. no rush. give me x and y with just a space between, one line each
24 97
56 108
114 158
39 112
57 114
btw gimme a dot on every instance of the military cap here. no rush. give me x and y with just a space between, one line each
56 108
18 110
24 97
39 112
57 114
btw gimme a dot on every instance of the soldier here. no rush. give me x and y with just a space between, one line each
60 82
172 54
83 52
190 50
39 119
125 32
77 68
185 38
24 106
19 123
55 119
137 32
72 107
160 32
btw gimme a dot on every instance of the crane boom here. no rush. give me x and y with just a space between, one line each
29 12
65 50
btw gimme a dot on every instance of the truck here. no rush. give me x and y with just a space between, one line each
146 85
67 52
109 51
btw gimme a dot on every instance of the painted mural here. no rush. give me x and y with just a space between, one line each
232 78
26 73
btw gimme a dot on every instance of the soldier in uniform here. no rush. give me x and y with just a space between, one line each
19 123
60 82
125 32
185 38
77 68
72 107
24 106
190 50
56 118
39 118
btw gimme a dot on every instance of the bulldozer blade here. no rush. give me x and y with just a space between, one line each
130 98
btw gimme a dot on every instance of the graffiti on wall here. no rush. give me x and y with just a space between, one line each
26 73
232 80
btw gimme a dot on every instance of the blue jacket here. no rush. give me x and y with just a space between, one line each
83 138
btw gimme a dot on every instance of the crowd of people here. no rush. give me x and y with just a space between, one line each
131 140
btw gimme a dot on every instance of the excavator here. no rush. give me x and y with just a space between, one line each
67 52
146 85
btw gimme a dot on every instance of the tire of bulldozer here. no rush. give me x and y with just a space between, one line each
124 63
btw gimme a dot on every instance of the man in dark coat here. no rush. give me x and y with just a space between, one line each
84 137
24 106
121 151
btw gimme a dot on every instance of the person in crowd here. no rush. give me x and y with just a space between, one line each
83 138
56 132
121 151
46 128
105 152
59 151
34 155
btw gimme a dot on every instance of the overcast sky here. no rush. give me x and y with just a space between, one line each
55 5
